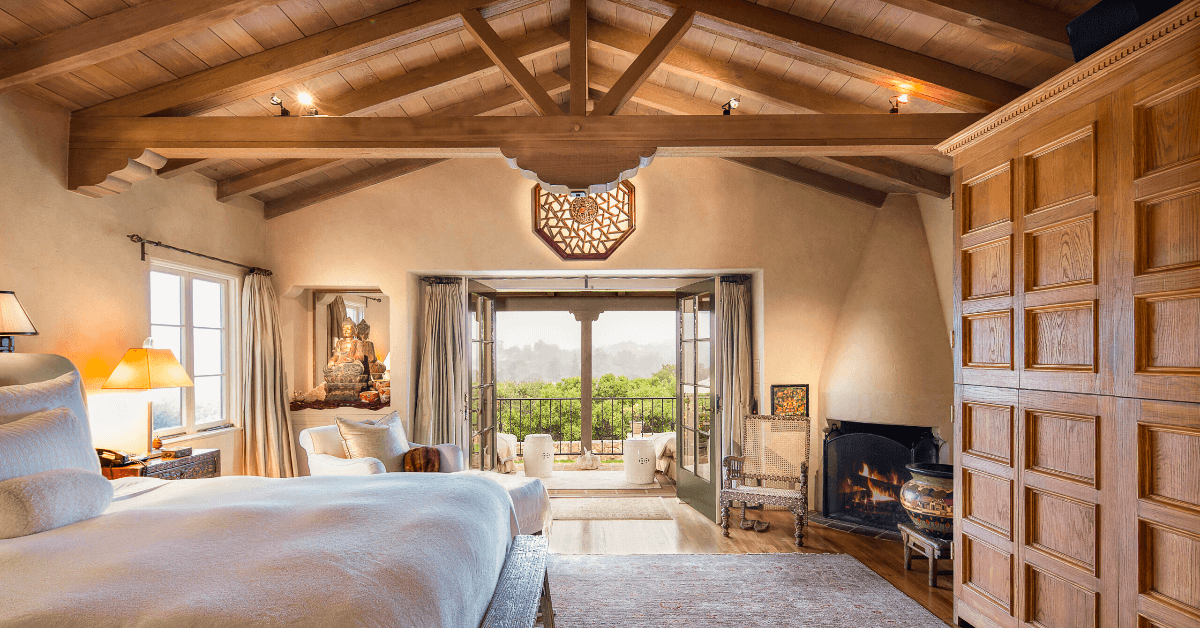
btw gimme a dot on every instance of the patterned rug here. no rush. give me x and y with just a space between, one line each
609 508
721 590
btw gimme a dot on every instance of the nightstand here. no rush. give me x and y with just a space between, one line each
203 463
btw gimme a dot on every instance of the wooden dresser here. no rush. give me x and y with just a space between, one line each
203 463
1077 436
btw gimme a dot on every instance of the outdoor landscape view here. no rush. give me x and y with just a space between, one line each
538 375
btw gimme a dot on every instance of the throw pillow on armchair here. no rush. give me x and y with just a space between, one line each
422 459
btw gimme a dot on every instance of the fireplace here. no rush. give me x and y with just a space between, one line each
864 468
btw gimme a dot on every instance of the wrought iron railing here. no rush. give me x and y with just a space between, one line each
612 420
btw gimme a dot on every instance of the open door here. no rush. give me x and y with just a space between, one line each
696 457
482 311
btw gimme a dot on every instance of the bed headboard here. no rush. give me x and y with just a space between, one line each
27 368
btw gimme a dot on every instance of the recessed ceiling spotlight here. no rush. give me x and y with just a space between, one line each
727 108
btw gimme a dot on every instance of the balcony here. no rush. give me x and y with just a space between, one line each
612 420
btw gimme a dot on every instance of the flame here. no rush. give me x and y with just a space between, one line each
879 487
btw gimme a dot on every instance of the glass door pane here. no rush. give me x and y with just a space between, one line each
482 402
697 469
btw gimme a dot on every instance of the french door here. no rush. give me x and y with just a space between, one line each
697 454
482 403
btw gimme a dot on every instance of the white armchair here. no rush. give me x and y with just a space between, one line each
327 456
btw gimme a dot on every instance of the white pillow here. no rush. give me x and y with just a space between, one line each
54 439
51 499
383 440
22 400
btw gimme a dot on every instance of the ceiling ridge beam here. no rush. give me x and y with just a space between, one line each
882 169
725 75
854 55
113 35
357 181
441 75
646 62
579 57
278 67
267 177
814 179
1025 23
507 61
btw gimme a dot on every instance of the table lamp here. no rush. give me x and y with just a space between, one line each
146 368
13 321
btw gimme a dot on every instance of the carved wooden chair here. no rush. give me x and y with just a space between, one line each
774 448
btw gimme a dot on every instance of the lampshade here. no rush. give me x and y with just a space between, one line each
146 368
13 320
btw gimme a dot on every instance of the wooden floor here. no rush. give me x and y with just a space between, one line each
689 532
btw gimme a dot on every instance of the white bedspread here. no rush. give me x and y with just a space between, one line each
395 549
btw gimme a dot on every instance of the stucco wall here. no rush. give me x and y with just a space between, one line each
937 214
80 279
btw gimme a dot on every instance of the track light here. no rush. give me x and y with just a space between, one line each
306 100
727 108
283 112
896 101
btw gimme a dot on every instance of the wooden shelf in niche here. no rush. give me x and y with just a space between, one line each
1061 255
1168 459
987 199
1061 445
1168 231
1061 172
987 340
987 270
1167 332
1061 337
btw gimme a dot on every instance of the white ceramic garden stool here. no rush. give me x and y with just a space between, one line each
539 455
639 461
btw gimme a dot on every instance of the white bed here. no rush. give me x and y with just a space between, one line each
384 550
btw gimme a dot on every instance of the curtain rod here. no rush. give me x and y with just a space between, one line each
137 239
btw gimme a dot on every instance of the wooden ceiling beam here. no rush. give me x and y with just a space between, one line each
646 62
844 52
1018 21
911 178
117 34
101 146
357 181
176 167
742 81
283 65
442 75
507 61
812 178
277 174
883 169
579 57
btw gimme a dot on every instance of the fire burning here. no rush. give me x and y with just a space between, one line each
872 492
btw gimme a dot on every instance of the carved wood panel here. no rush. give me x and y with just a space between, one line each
1061 337
987 199
1168 333
1169 460
1060 255
987 500
988 431
1168 567
1062 445
987 340
988 571
1061 172
1063 527
1168 235
1169 130
1053 602
987 270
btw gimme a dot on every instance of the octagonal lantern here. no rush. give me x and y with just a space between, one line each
587 227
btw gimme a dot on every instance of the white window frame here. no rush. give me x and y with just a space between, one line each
355 305
232 286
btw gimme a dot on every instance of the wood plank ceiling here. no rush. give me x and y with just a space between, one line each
971 57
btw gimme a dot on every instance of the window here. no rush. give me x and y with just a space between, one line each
191 314
356 311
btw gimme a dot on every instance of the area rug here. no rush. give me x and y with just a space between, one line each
591 480
609 508
721 590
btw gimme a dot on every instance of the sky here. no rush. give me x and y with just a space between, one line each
561 328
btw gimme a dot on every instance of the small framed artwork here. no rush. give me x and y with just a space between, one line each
789 399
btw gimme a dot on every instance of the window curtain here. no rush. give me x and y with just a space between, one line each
266 431
337 314
442 384
736 360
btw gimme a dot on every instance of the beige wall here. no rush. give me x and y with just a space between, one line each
692 215
78 276
937 214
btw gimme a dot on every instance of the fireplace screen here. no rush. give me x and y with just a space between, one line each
864 472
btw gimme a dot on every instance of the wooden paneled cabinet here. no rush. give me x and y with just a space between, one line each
1077 222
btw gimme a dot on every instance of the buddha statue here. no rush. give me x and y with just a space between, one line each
346 374
370 359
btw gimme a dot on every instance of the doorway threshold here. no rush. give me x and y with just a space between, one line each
602 483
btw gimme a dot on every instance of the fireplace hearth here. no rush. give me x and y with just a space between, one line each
864 468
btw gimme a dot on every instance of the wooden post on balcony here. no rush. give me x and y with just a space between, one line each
585 318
